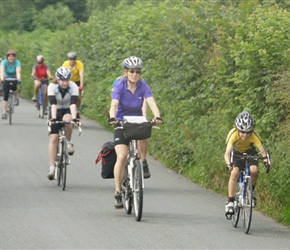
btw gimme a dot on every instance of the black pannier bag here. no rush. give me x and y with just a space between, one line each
137 131
108 156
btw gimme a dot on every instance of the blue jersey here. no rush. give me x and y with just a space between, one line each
129 104
10 70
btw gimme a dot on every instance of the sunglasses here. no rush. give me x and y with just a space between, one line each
138 72
244 132
72 59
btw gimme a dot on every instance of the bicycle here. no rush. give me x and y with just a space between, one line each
133 183
62 159
10 109
41 105
244 196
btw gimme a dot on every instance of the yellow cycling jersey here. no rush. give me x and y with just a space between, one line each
75 70
234 140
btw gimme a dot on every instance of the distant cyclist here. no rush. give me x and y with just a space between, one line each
243 139
40 71
63 97
10 68
127 100
77 69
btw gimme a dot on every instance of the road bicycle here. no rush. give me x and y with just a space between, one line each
62 159
244 202
10 109
41 105
133 182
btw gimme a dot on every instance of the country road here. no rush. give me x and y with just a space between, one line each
36 214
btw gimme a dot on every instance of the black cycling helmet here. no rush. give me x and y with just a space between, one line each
245 122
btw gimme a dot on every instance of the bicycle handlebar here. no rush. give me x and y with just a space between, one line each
256 157
64 122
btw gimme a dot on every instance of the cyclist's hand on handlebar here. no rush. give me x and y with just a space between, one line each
50 121
18 82
158 120
112 120
77 121
33 77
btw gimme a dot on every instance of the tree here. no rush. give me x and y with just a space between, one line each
53 17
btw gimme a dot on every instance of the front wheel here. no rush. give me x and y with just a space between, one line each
126 193
138 189
247 207
10 108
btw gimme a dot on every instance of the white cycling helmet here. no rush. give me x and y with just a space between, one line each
72 55
63 73
133 62
245 122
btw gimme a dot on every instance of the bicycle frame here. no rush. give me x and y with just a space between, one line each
133 155
41 103
10 109
244 196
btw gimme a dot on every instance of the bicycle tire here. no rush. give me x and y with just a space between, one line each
237 208
41 111
247 208
138 189
10 108
64 166
126 193
59 163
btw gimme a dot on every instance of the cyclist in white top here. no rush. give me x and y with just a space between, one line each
63 97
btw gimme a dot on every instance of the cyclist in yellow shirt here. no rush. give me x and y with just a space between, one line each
242 139
77 69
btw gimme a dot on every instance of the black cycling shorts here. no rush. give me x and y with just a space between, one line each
119 137
60 114
6 87
241 163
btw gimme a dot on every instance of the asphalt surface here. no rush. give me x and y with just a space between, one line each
36 214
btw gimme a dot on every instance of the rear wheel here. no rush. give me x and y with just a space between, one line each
138 189
247 208
126 193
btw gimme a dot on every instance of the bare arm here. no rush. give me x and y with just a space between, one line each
152 104
113 109
227 157
18 73
82 78
2 72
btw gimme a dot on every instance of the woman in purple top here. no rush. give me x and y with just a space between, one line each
127 100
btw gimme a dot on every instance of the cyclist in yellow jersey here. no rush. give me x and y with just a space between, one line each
77 69
242 139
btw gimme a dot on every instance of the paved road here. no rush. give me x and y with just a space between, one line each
36 214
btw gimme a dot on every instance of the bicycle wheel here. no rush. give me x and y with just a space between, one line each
41 106
10 108
126 193
247 205
59 163
64 165
236 215
138 189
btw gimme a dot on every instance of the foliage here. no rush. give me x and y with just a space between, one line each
205 63
53 17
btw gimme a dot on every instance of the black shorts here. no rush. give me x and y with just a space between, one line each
119 137
60 114
6 88
241 163
78 83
